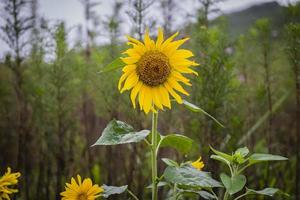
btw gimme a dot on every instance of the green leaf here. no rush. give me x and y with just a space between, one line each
195 108
110 190
223 155
233 184
261 157
202 193
118 132
243 151
206 195
267 191
114 65
170 162
189 176
160 184
179 142
221 159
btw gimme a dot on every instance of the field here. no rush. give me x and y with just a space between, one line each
213 112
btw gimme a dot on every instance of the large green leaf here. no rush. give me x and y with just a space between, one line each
262 157
195 108
110 190
118 132
179 142
233 184
114 65
189 176
267 191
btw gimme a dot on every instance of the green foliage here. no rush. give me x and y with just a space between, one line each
117 132
233 184
188 176
237 163
114 65
112 190
180 142
195 108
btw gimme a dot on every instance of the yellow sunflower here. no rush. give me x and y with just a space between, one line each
154 71
198 164
6 181
82 190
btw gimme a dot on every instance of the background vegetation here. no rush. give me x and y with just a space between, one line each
54 104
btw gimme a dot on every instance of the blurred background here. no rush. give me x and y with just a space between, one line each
54 105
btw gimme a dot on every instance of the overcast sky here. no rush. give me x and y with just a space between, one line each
71 11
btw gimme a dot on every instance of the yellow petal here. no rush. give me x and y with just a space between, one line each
122 79
169 40
130 82
132 53
186 70
130 60
179 77
135 91
172 47
147 99
181 53
174 84
141 96
133 40
149 44
164 96
173 93
129 68
160 38
175 61
156 98
79 179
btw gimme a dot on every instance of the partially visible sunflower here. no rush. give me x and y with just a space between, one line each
82 190
154 71
6 181
198 164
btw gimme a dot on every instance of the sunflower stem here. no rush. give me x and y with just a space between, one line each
154 155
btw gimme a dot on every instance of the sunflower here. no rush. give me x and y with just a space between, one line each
82 190
154 71
198 164
7 180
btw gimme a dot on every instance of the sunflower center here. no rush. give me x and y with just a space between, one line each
82 196
153 68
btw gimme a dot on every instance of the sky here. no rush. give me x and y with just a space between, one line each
71 11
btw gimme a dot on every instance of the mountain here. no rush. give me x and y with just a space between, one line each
239 22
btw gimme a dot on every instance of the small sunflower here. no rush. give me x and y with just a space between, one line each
198 164
154 71
82 190
6 181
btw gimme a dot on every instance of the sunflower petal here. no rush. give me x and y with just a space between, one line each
147 99
164 96
160 38
173 93
156 98
130 81
165 43
174 84
134 92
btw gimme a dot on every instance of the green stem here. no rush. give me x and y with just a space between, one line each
132 195
239 197
154 155
225 196
175 191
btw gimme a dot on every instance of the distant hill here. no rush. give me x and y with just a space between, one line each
239 22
